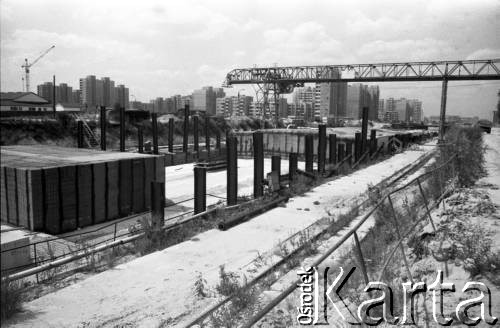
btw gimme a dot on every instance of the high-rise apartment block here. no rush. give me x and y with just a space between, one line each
359 96
402 110
64 93
204 99
102 92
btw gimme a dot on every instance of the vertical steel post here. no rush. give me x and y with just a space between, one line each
185 130
79 136
195 134
398 232
217 140
140 139
442 113
157 204
102 119
258 164
309 152
361 258
333 148
293 159
321 148
207 135
53 95
373 141
358 144
364 131
200 189
348 151
232 170
122 129
170 141
276 165
154 123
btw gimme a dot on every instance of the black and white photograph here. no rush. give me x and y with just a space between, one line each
249 163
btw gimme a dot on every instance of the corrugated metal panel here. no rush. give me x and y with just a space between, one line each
84 174
113 172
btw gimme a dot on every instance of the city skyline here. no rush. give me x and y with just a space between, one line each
161 49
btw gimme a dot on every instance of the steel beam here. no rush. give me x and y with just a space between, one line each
258 164
195 133
154 125
364 130
171 135
200 189
332 143
140 140
276 165
232 170
102 119
309 152
122 129
442 113
321 148
185 130
293 159
80 134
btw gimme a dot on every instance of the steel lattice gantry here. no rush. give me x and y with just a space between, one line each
412 71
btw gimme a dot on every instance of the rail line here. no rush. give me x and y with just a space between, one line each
387 183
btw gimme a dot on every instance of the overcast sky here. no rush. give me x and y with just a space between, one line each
162 48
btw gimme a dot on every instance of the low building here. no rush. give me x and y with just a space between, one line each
23 102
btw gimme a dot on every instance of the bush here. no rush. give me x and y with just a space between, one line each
10 298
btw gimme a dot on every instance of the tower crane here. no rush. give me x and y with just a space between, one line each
28 65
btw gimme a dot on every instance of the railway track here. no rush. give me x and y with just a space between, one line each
317 231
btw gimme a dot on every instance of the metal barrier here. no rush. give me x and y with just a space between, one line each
353 233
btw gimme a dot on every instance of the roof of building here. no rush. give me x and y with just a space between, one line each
21 98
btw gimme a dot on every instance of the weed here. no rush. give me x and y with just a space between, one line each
11 297
200 286
228 282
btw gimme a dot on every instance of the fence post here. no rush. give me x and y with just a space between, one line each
398 232
171 135
361 258
140 140
102 119
321 148
333 148
207 135
292 165
358 145
217 140
154 125
276 165
373 141
309 153
122 129
195 134
258 164
340 152
232 170
364 131
200 189
157 204
185 130
79 137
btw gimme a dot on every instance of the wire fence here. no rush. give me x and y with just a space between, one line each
395 217
53 248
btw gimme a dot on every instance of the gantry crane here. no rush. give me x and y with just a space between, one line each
27 67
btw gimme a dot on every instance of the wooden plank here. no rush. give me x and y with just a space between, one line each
99 201
22 198
149 173
125 187
69 210
52 200
138 185
10 176
3 195
84 174
35 199
113 190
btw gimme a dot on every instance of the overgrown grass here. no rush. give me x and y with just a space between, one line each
11 297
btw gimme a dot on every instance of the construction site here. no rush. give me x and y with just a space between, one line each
211 231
